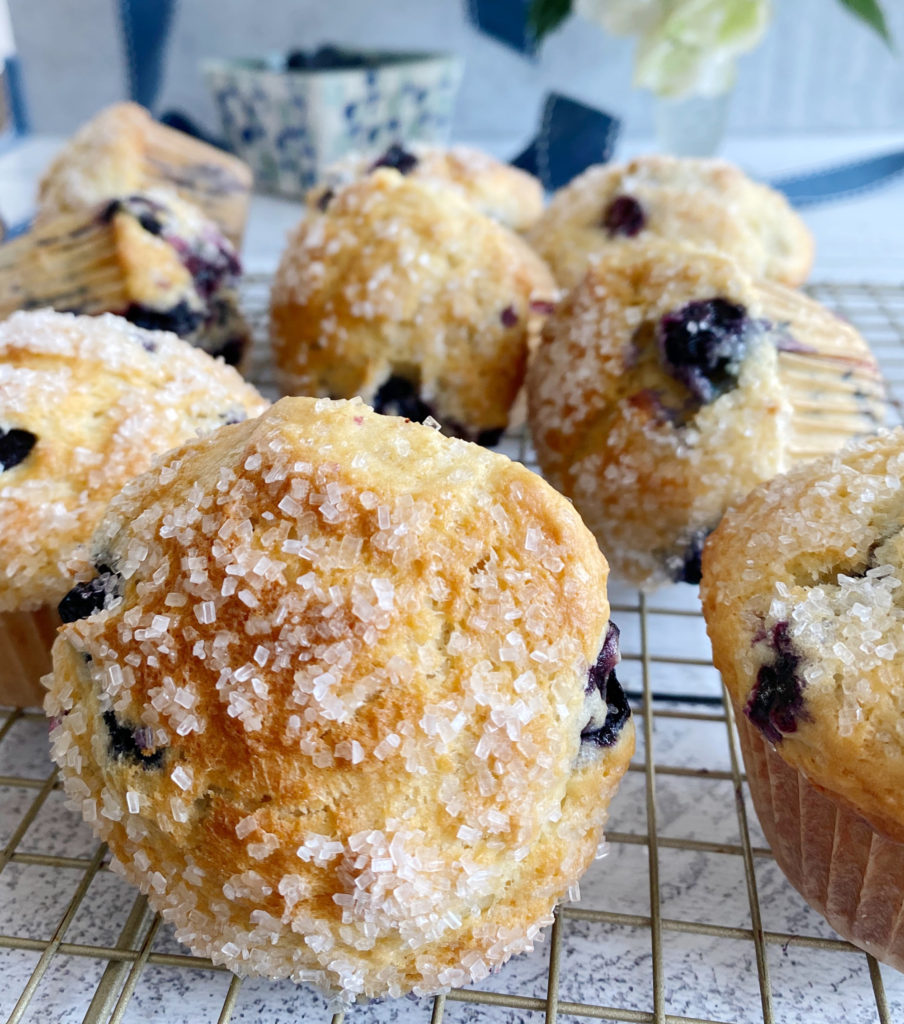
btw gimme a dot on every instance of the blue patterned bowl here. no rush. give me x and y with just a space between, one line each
290 125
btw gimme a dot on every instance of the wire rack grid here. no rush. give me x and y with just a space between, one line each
687 920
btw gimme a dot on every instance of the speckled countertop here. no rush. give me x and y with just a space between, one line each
680 949
708 956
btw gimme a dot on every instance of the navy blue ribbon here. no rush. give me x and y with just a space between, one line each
572 136
843 182
145 27
13 72
505 21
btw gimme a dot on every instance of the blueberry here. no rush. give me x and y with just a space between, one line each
181 319
702 345
618 712
132 744
144 210
325 58
325 199
398 158
87 598
508 316
15 446
237 415
491 437
603 679
231 352
606 661
690 571
776 701
624 216
399 397
543 307
209 269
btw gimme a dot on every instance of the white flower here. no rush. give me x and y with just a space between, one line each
692 47
622 17
685 47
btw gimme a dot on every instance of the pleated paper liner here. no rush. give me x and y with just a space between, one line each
25 642
842 866
216 182
68 263
831 376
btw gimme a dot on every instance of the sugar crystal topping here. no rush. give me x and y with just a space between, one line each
104 397
350 625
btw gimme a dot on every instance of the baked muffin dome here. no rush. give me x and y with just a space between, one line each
802 593
507 194
149 257
347 712
706 203
93 399
123 150
669 383
403 294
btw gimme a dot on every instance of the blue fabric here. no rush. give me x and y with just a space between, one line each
843 182
572 136
19 228
17 96
145 27
505 21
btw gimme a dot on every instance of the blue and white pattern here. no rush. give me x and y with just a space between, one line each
290 125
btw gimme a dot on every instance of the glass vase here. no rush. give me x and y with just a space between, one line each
691 126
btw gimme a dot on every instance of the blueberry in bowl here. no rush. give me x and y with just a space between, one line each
291 115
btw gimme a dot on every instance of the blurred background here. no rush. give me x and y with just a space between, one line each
817 70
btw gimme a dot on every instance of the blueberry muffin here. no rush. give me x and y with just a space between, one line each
151 258
669 383
402 293
802 592
85 405
341 699
123 150
706 203
508 195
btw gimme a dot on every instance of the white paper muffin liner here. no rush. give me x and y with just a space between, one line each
25 642
841 865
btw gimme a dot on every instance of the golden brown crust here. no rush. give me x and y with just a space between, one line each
820 551
367 643
706 203
401 278
508 195
123 150
617 431
102 397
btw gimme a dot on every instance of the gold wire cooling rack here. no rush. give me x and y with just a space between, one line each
687 920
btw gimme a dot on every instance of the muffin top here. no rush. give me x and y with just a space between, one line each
803 592
402 280
669 382
507 194
103 159
85 404
337 713
123 149
707 203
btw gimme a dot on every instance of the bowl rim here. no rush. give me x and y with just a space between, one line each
267 65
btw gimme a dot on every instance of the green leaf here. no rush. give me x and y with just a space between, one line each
870 12
545 15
